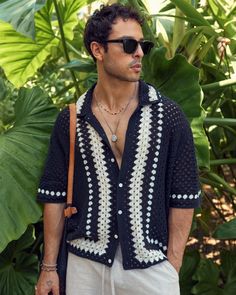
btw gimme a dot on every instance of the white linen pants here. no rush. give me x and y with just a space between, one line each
87 277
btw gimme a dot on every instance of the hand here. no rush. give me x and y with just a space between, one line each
176 263
48 281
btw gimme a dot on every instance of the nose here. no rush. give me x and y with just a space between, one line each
138 52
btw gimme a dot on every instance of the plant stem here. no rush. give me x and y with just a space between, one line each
220 121
221 181
222 161
217 85
215 184
63 39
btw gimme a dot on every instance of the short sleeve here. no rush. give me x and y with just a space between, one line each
185 188
53 183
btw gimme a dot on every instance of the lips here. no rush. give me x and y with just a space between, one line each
137 67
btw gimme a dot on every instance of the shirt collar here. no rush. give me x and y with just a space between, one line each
147 95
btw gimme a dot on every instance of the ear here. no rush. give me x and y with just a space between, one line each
97 50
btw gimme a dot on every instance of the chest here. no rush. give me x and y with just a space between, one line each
115 126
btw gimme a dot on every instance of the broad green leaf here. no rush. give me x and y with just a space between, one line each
188 268
228 262
69 14
207 277
20 14
20 56
228 266
18 269
226 231
179 80
23 149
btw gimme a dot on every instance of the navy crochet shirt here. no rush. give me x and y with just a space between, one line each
129 205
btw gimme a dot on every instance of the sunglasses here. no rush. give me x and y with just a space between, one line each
130 45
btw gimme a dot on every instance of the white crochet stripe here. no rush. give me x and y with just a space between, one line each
185 196
104 210
152 93
153 177
88 173
135 192
80 102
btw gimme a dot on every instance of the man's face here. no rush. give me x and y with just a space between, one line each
117 63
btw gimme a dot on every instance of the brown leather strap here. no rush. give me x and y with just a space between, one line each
71 210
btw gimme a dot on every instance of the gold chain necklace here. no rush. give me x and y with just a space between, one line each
109 112
114 137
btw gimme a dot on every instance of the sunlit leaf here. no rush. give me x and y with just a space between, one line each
20 14
20 56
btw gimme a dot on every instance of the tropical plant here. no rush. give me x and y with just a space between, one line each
41 50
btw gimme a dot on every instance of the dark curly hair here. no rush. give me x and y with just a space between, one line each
99 25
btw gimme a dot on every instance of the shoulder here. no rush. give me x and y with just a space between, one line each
172 112
62 121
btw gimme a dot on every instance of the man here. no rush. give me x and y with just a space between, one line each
136 181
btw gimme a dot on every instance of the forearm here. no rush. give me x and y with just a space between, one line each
180 221
53 228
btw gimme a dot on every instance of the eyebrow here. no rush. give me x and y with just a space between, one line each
130 37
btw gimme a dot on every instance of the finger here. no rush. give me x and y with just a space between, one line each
55 291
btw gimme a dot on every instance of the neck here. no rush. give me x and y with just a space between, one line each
114 94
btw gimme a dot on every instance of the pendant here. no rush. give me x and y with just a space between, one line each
114 138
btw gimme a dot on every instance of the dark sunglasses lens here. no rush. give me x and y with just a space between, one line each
130 45
146 46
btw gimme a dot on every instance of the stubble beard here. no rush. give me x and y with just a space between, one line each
124 78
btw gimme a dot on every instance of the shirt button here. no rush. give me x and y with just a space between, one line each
113 160
109 261
120 184
116 237
120 212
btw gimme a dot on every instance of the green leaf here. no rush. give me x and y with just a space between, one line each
18 269
20 14
3 89
69 11
223 14
23 150
201 141
205 48
228 265
188 268
20 56
86 66
228 262
226 231
168 7
196 18
179 80
207 277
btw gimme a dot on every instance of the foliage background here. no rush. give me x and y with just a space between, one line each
44 66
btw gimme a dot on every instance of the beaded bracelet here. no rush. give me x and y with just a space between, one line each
48 267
